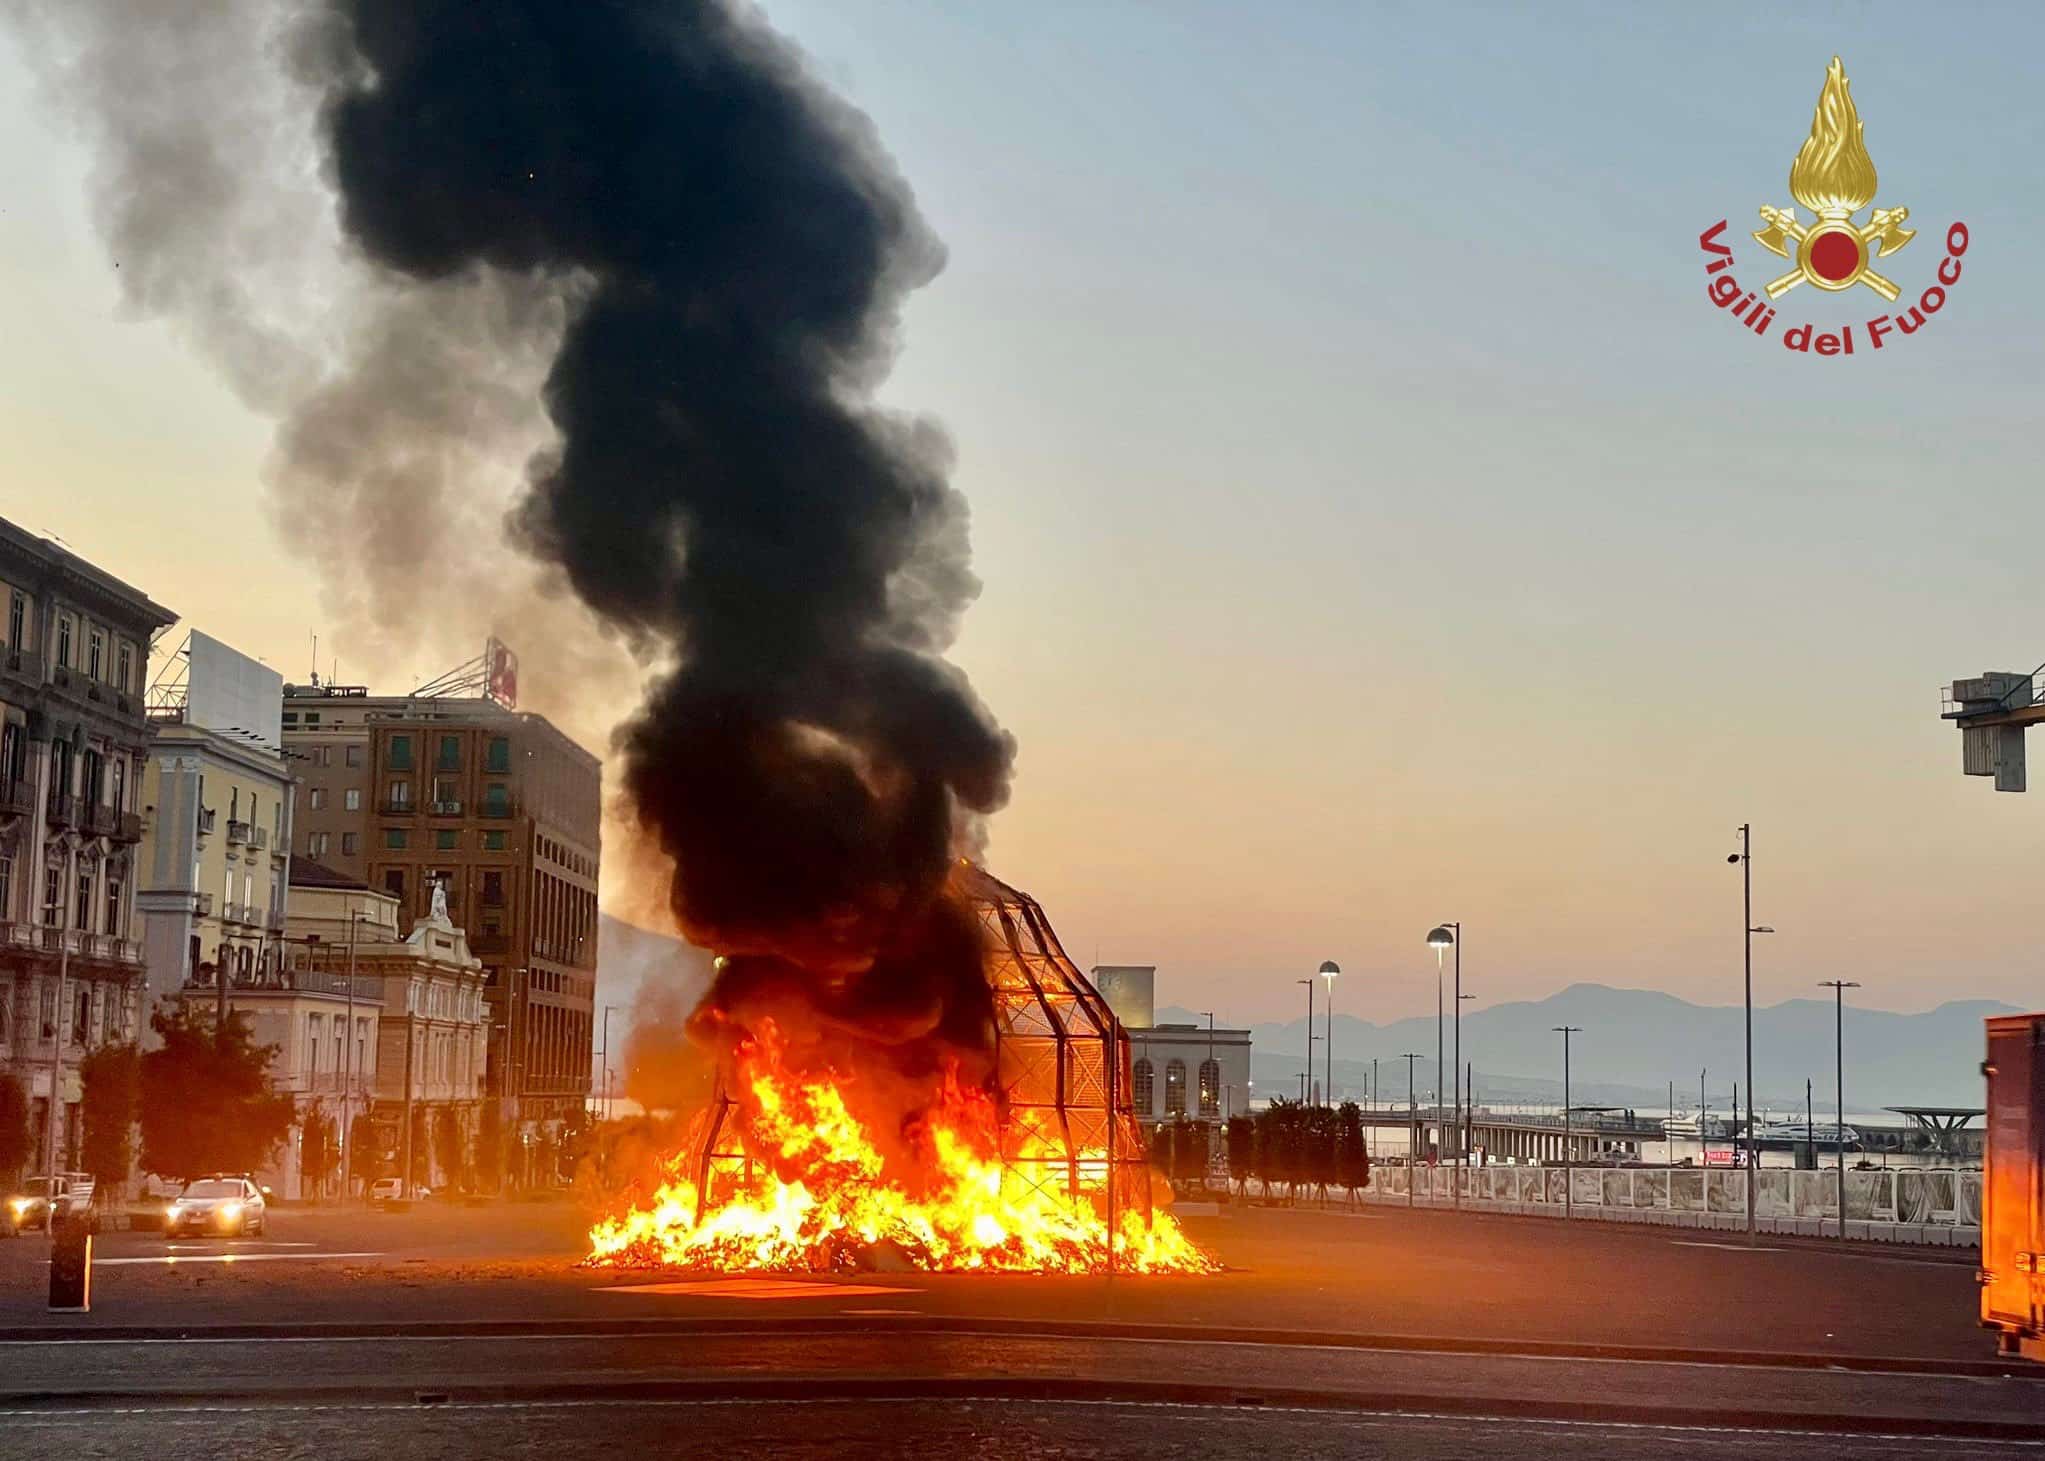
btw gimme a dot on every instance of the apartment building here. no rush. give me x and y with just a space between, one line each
500 811
74 642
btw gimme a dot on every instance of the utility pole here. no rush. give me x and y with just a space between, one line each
1412 1127
1838 988
1568 1157
1306 1075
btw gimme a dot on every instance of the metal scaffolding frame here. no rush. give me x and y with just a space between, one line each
1062 1068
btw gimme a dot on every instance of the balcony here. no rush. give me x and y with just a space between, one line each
110 948
230 912
17 798
447 808
101 820
237 832
275 920
60 940
259 838
128 828
63 810
402 807
206 816
202 904
19 937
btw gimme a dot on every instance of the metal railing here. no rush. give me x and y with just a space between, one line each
237 832
17 798
451 808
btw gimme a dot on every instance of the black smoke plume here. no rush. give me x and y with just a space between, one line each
734 249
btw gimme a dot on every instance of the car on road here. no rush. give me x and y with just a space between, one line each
230 1206
385 1191
67 1194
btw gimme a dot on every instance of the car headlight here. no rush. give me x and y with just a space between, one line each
229 1211
20 1205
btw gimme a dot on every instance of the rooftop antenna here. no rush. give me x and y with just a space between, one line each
315 661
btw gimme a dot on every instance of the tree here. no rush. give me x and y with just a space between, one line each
1242 1150
1352 1153
449 1147
14 1142
490 1147
361 1152
207 1103
1319 1145
110 1096
1280 1146
422 1153
318 1153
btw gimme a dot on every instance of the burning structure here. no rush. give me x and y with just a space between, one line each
1033 1170
709 252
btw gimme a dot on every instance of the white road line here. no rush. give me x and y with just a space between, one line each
941 1330
1727 1247
171 1260
1360 1417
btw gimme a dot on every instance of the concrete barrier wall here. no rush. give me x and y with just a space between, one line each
1938 1206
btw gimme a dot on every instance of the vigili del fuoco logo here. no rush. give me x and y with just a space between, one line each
1833 178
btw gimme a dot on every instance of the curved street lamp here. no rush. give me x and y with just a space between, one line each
1329 970
1441 938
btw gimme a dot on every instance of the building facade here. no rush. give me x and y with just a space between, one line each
1176 1070
503 813
216 858
74 642
420 1088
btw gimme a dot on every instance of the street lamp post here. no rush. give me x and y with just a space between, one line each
1466 1078
1445 936
1838 988
604 1063
1201 1085
54 1120
1745 858
1412 1127
1568 1157
1329 969
1306 1076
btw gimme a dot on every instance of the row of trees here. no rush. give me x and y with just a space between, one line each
1299 1148
202 1102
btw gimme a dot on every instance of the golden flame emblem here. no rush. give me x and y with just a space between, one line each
1834 177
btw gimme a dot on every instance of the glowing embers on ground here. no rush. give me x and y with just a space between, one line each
816 1193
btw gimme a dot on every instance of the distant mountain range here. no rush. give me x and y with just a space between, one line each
1635 1041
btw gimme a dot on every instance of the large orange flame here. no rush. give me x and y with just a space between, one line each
815 1192
1833 172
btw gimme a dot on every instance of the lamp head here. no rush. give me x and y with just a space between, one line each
1441 937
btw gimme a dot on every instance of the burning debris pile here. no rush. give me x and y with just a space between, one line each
823 1167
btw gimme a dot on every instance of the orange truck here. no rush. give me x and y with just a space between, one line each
2013 1186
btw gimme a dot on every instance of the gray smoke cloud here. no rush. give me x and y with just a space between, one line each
406 411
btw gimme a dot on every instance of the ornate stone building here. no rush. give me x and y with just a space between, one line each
74 643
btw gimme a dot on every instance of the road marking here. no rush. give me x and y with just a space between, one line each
884 1313
171 1260
1725 1247
214 1243
1361 1417
755 1288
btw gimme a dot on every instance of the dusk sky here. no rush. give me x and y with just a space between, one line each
1378 522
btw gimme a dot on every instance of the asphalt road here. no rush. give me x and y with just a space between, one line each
1384 1333
922 1430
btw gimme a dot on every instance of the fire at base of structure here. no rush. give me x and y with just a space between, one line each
1032 1177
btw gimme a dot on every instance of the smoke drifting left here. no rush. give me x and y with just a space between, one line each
637 244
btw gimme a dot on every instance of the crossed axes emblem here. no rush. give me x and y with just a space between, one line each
1880 236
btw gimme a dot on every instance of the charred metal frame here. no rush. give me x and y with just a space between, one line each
1062 1067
